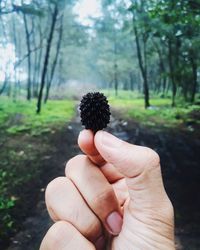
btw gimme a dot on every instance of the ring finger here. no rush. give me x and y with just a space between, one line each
65 203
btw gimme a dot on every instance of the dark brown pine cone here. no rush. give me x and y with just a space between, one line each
95 111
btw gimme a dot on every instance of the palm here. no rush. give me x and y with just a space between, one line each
136 221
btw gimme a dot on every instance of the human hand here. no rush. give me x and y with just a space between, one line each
123 199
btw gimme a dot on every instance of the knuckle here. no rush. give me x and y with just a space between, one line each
104 197
73 214
92 230
53 187
73 164
57 233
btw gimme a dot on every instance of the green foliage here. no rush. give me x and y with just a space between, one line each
173 27
20 116
159 114
7 202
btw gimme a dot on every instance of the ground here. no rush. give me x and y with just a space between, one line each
178 149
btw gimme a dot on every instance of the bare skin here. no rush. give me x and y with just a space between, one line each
111 198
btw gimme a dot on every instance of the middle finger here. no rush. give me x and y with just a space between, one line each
97 192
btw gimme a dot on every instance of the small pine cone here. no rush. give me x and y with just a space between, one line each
95 111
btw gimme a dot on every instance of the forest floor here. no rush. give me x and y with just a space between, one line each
180 158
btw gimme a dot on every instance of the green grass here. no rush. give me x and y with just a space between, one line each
160 113
25 136
21 116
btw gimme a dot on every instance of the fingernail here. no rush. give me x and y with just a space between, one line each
110 140
100 243
114 221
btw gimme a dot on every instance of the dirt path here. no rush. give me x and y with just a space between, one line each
179 158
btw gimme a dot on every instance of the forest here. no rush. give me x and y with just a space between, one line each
145 57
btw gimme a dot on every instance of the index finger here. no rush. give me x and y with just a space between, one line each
86 144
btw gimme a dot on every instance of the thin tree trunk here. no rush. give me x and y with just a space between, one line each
143 67
174 88
146 86
115 66
35 61
164 84
131 81
55 60
115 79
60 65
29 57
4 85
39 61
162 67
125 84
194 76
15 48
46 60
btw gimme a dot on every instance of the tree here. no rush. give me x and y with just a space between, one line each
176 25
46 60
141 27
112 46
60 33
28 34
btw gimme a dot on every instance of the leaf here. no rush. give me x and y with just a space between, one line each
132 7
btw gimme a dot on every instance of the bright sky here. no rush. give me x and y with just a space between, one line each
7 58
86 9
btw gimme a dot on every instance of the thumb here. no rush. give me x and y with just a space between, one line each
140 166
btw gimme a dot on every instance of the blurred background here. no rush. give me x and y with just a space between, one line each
143 55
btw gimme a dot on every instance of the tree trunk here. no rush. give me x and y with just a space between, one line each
116 80
4 85
38 68
46 60
125 84
162 67
15 49
194 77
35 61
131 81
29 57
143 67
174 88
60 66
115 66
164 84
55 60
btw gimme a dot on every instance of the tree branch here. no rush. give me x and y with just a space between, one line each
25 56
